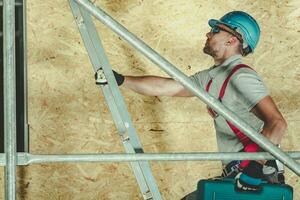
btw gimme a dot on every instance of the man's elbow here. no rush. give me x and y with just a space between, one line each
282 125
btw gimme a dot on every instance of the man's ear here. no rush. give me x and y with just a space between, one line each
232 41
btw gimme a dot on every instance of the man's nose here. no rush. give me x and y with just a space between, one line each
208 35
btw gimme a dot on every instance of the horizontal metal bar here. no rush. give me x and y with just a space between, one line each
17 3
176 74
26 158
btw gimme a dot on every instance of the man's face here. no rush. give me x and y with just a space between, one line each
216 43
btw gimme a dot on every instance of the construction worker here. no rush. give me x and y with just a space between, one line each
238 87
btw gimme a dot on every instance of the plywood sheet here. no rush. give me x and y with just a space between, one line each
67 112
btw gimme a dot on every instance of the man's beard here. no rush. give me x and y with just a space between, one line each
208 50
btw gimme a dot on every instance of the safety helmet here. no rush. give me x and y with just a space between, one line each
242 23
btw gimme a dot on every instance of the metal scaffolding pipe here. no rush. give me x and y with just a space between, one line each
9 98
26 158
176 74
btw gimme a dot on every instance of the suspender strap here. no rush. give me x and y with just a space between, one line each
224 86
242 137
211 112
208 85
249 145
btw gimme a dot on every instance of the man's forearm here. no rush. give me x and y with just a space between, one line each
151 85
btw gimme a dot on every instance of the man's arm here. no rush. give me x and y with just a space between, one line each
274 129
251 89
156 86
274 123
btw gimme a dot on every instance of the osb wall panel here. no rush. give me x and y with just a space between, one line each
67 113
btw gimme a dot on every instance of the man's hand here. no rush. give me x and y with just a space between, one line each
101 79
250 178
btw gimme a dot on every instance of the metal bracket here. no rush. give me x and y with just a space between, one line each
148 195
79 20
125 138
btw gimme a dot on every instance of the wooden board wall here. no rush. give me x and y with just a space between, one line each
67 112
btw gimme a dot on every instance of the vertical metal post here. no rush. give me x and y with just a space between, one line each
9 98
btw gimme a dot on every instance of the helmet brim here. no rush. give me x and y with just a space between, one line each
213 22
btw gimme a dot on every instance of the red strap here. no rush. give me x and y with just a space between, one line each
208 85
224 86
249 145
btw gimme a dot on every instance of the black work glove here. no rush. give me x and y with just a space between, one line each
119 78
250 178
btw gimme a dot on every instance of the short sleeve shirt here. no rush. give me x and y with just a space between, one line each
244 91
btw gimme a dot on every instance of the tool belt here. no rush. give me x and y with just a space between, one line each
233 168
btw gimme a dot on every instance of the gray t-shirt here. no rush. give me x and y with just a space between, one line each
245 89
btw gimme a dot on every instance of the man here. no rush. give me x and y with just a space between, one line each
235 35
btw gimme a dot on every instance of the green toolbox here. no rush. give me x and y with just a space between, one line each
224 189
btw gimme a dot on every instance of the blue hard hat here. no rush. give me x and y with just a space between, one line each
242 23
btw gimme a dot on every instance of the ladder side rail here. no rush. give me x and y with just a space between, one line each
99 60
106 91
122 132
